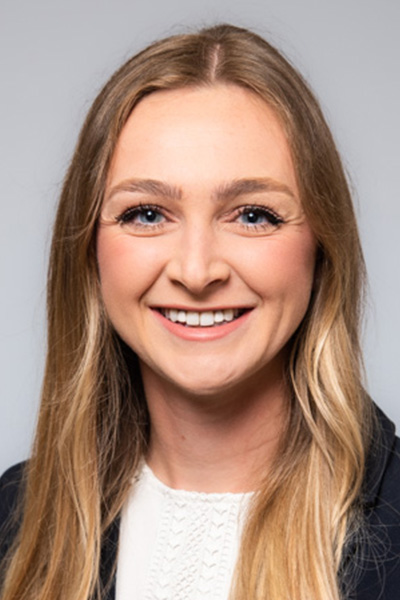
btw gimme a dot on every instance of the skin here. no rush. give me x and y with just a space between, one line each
223 227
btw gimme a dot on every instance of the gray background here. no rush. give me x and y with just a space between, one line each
54 57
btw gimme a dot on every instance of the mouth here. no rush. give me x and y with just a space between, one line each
207 318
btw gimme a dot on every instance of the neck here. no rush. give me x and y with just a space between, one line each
216 443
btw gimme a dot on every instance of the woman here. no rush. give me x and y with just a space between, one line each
203 371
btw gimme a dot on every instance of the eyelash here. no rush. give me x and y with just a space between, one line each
272 218
129 215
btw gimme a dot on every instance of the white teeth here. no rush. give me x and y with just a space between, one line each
173 315
228 314
192 318
206 318
218 316
181 316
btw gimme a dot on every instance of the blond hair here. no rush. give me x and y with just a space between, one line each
93 422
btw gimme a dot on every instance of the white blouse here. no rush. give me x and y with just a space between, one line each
178 545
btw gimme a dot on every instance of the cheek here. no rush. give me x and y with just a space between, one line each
127 266
281 266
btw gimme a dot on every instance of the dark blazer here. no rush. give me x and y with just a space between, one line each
371 565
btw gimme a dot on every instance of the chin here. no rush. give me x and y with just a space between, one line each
203 387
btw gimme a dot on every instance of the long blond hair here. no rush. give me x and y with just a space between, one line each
93 423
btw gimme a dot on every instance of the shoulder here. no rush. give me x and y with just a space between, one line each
383 513
11 489
377 551
382 478
389 491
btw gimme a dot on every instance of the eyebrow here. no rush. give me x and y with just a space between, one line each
224 192
153 187
242 187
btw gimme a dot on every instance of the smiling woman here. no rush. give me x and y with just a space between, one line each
206 217
204 431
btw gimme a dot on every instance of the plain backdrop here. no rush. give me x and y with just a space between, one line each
54 57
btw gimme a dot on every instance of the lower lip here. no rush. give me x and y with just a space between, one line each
202 334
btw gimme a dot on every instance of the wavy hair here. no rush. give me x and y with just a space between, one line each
93 422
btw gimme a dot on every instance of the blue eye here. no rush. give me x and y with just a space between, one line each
149 216
142 216
256 215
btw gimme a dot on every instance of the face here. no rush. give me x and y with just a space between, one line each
205 256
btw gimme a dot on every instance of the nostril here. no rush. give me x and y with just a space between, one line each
198 276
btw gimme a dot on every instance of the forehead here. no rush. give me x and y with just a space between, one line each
207 134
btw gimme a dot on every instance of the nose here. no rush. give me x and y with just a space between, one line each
198 263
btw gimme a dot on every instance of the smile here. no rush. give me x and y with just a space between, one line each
207 318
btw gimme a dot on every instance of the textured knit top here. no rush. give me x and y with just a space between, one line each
176 544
